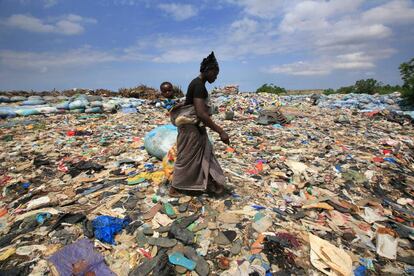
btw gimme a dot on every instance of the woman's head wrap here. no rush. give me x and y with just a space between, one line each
209 63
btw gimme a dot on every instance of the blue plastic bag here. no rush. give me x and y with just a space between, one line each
105 228
93 110
63 105
33 102
360 271
160 140
27 112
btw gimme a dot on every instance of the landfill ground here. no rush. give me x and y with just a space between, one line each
330 193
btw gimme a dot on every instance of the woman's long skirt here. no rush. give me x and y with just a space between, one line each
196 165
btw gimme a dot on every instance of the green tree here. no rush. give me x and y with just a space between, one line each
346 90
328 91
270 88
368 86
407 75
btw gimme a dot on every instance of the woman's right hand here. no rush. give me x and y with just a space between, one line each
224 137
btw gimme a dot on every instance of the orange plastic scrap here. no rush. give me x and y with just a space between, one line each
257 246
259 166
230 150
320 205
383 230
3 212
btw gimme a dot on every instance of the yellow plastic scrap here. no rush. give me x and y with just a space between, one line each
320 205
169 161
7 253
156 177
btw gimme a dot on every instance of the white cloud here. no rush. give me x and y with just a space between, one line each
327 64
324 30
42 61
46 3
300 68
179 56
179 12
346 33
243 29
130 2
333 35
260 8
29 23
393 12
314 15
67 25
49 3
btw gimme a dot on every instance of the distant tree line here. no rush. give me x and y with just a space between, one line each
367 86
372 86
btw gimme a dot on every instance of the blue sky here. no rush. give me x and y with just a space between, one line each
62 44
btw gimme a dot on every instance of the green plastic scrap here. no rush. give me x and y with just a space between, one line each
169 209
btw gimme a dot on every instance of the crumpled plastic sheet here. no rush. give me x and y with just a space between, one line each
82 250
106 227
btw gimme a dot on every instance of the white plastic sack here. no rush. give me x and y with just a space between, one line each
160 140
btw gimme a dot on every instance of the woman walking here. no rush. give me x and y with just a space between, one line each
196 168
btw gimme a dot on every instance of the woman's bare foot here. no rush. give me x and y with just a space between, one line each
219 189
173 192
215 189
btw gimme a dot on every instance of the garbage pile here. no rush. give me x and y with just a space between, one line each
35 105
363 102
140 92
328 192
227 89
55 93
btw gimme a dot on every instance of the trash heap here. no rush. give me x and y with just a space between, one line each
35 105
363 102
328 192
140 92
227 89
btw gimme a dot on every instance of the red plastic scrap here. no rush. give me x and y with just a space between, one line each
71 133
378 159
62 167
386 151
4 180
145 253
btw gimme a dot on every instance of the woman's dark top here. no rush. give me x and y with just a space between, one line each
196 89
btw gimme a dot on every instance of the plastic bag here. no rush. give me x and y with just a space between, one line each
27 112
93 110
17 99
63 105
78 104
82 250
33 102
4 99
160 140
7 113
47 109
106 227
96 104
